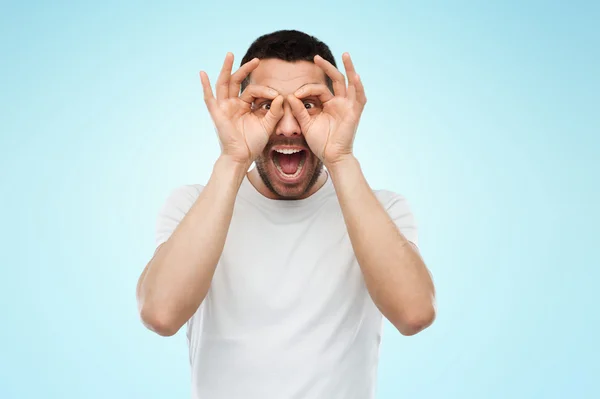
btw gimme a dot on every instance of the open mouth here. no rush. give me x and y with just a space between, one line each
289 162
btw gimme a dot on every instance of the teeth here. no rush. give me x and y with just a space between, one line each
287 151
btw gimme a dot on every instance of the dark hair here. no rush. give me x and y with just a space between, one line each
288 45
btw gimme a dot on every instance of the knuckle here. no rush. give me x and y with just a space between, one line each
237 77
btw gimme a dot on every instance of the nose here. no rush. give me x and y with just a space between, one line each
288 125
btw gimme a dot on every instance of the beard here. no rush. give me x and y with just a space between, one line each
270 171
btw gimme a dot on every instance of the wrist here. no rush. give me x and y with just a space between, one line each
234 162
341 163
227 168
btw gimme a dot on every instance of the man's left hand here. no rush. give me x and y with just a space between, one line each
329 120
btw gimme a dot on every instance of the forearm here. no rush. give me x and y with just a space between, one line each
395 275
178 277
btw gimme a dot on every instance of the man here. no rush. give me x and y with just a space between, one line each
283 274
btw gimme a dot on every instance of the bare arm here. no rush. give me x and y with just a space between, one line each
395 275
178 277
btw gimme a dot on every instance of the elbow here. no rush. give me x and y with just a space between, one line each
159 321
415 321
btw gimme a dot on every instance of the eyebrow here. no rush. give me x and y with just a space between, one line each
305 84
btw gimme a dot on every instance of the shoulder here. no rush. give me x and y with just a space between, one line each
397 206
187 190
183 196
391 199
174 208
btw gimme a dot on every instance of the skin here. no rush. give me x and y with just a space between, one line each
286 78
286 104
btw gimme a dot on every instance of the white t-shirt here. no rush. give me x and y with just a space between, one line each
288 315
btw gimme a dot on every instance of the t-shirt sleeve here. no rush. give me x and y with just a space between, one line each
174 209
399 211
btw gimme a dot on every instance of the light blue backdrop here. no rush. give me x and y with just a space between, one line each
483 114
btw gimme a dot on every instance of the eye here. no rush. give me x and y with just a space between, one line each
264 105
308 105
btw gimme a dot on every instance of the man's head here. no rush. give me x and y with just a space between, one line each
287 166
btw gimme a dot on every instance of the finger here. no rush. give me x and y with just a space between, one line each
300 112
252 92
209 98
351 94
318 90
222 86
338 79
350 70
361 97
238 77
274 114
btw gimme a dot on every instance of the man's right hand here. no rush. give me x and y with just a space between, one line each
243 131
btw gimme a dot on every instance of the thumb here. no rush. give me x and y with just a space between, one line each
275 113
299 111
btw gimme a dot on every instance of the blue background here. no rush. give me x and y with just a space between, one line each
485 115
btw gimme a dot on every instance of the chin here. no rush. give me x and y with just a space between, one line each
289 172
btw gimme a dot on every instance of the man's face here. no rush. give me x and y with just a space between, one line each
287 166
